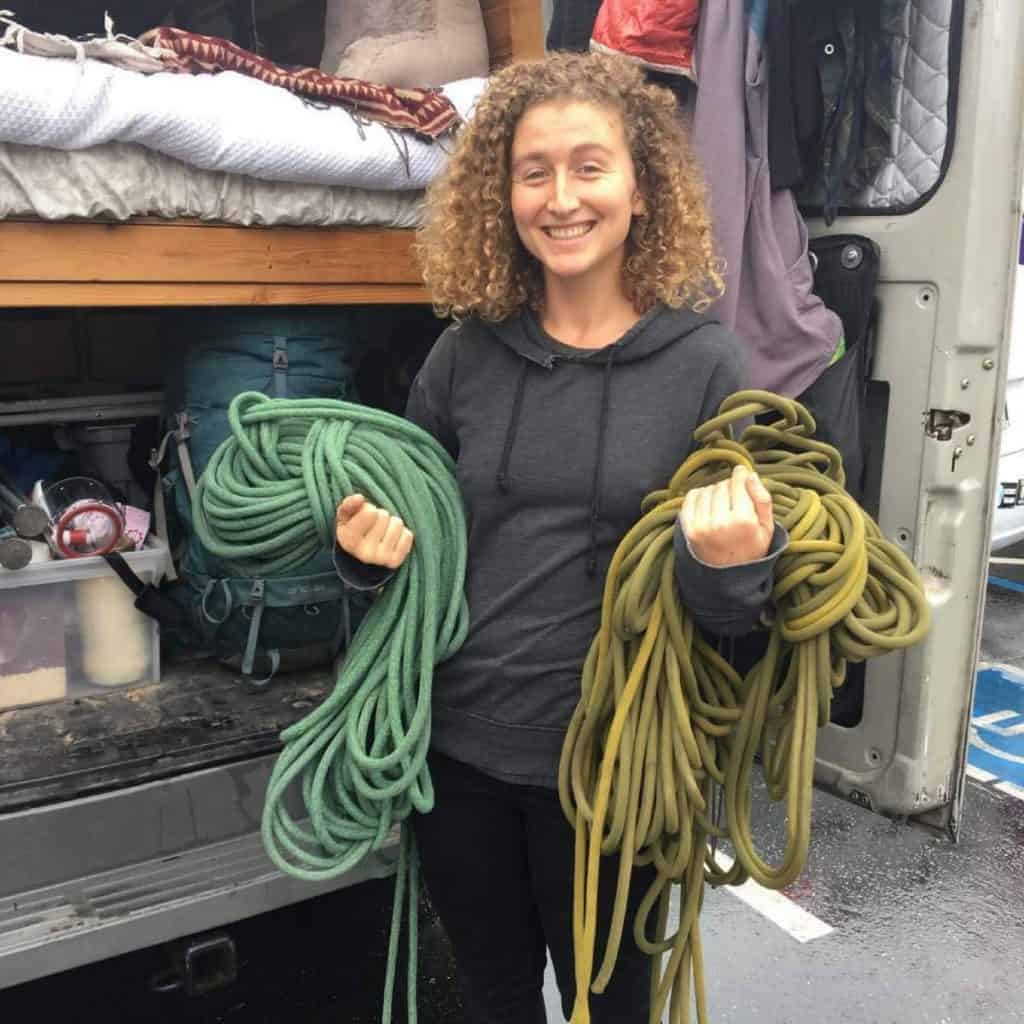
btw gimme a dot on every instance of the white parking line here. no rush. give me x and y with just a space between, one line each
993 718
992 722
779 909
1003 755
980 775
1010 789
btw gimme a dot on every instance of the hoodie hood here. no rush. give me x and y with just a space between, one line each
658 328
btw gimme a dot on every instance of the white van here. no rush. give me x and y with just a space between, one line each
130 822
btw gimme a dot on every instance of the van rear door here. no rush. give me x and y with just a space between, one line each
948 264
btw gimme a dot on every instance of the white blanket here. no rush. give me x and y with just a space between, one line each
223 122
122 180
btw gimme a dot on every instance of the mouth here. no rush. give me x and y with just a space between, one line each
569 232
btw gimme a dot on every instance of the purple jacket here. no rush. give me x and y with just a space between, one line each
789 334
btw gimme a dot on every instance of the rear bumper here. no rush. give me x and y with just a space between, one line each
167 874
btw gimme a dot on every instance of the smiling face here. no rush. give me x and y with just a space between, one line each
574 191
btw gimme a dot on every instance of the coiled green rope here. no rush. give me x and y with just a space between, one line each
265 504
663 719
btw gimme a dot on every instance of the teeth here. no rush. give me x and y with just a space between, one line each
571 232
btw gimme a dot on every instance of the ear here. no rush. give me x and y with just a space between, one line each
639 205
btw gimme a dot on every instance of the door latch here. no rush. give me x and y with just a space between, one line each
940 423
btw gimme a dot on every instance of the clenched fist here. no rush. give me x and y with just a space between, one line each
730 522
371 534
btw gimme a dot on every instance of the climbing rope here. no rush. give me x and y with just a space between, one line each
265 504
665 724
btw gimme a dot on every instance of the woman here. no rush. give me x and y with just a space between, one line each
569 238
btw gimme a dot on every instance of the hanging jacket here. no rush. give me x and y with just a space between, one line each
659 34
556 447
795 103
790 336
853 59
571 24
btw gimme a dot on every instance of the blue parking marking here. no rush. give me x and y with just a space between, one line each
1005 584
997 724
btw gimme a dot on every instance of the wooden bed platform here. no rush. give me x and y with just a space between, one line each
155 262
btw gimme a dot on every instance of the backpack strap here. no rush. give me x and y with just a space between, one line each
156 462
148 599
181 436
280 362
256 602
180 433
213 585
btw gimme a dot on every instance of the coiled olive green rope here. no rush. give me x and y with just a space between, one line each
663 719
265 504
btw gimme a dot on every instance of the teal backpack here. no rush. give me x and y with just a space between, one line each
257 626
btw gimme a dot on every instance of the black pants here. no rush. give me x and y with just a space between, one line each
497 860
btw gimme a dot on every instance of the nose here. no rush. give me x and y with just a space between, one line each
562 199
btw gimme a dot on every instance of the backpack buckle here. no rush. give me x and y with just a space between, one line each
183 433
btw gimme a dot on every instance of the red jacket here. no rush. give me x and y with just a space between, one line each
660 34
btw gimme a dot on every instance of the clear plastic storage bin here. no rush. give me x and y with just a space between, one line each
70 628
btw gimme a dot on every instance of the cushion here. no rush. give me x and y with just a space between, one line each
405 43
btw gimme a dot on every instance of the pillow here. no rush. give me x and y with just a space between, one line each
405 43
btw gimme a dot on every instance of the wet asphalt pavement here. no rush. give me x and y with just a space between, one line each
922 931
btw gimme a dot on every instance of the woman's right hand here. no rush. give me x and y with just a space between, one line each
371 534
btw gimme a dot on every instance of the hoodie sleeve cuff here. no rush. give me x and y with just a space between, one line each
726 600
358 575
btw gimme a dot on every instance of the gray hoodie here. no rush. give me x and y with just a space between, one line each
556 447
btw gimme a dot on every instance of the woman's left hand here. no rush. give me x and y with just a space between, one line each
730 522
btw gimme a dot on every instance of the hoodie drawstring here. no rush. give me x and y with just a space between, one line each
510 433
602 431
502 480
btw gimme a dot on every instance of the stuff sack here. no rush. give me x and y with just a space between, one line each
258 626
658 34
846 278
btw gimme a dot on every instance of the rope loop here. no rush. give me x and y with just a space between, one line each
665 724
266 504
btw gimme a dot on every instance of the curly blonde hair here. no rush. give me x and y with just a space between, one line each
469 250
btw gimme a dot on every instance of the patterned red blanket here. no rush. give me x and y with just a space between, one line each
426 112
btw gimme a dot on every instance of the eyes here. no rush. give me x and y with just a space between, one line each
539 174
